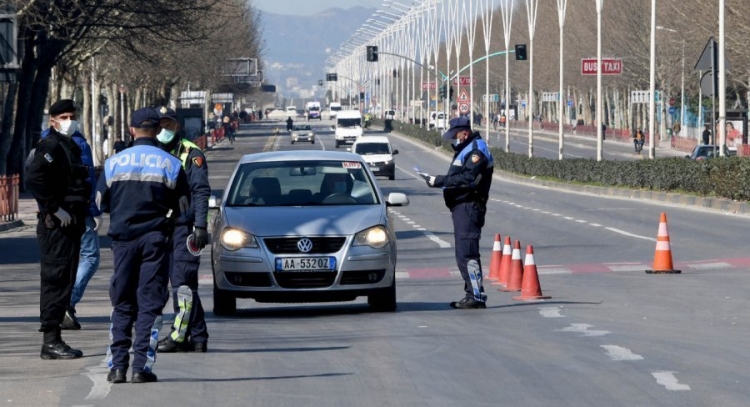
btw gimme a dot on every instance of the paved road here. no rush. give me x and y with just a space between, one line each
611 335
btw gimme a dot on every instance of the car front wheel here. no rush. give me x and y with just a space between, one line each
384 300
225 304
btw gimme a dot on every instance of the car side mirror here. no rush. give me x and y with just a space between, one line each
214 202
394 152
333 127
397 199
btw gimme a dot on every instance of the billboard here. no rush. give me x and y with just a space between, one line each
240 67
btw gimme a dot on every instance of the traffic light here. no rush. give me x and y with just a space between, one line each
332 77
372 53
320 82
451 97
441 92
521 52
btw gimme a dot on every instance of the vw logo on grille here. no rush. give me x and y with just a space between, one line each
305 245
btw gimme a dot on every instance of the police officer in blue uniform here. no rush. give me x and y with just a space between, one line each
189 332
56 177
466 189
144 189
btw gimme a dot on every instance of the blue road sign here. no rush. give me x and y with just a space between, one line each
523 103
570 102
672 110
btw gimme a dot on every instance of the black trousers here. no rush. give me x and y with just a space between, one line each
468 220
184 271
59 249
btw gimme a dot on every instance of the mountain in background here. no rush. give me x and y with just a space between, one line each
295 46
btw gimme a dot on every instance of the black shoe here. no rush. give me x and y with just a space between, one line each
200 347
117 376
143 377
167 345
468 303
70 321
59 350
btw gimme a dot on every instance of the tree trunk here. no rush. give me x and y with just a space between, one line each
5 133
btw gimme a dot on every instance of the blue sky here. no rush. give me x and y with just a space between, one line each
309 7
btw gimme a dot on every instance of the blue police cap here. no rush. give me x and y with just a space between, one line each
457 124
167 113
144 118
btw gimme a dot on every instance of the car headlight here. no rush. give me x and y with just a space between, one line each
375 237
310 134
235 239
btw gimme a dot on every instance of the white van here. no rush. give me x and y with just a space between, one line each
438 120
333 109
291 111
348 127
378 154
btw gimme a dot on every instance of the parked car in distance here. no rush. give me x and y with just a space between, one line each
378 154
303 132
706 151
303 226
438 120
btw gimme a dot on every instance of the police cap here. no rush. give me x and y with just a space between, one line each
457 124
62 106
167 113
144 118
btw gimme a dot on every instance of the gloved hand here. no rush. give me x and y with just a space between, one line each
431 181
64 217
200 236
184 205
97 222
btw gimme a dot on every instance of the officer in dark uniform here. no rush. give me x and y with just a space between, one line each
189 332
466 189
56 177
143 189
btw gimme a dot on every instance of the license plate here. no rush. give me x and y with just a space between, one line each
302 264
375 168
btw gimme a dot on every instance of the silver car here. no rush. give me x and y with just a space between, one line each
303 226
303 132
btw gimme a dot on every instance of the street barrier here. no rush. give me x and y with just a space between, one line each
9 189
663 253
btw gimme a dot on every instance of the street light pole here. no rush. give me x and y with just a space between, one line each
652 85
562 6
722 84
531 11
507 13
599 105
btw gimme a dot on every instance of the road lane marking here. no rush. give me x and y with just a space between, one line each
550 312
669 381
618 353
440 242
624 233
707 266
98 375
415 176
584 330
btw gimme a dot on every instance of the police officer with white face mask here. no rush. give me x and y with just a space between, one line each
56 177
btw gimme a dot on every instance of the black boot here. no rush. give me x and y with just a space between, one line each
116 376
55 348
70 321
167 345
468 302
143 377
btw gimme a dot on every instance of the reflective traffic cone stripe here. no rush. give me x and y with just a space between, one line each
516 270
663 254
530 288
496 258
505 264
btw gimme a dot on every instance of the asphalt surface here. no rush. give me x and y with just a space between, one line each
610 336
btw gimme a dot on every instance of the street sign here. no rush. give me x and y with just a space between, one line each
570 102
429 85
550 96
641 96
493 97
672 110
706 86
465 81
463 97
672 101
610 66
523 103
463 108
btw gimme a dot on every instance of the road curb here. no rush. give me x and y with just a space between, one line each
6 226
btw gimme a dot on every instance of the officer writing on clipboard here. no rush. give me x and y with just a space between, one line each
466 189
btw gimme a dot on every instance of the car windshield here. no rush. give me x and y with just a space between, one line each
302 183
336 108
302 127
314 109
372 148
350 122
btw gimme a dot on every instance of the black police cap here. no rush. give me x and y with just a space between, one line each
62 106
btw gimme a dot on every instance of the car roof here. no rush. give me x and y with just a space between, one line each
300 155
372 139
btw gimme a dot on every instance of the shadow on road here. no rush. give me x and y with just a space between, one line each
242 379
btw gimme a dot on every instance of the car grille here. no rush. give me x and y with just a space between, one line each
305 279
288 245
249 279
362 276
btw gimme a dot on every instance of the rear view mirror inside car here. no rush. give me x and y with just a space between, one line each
302 171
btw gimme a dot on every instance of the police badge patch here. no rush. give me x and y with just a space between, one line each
198 161
48 157
475 158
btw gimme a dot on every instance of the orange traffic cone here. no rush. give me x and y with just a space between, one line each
516 270
663 254
530 288
496 258
505 264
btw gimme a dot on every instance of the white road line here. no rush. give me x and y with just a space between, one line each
633 267
568 218
442 243
402 275
668 380
550 312
622 232
581 221
618 353
322 144
595 225
417 226
584 330
409 173
98 375
705 266
553 270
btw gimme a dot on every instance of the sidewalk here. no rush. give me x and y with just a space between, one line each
26 213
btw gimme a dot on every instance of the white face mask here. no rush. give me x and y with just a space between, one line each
67 127
165 136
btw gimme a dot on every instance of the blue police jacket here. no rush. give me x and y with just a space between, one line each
140 188
196 169
87 157
470 175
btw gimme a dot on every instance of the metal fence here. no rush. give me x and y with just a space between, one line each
9 186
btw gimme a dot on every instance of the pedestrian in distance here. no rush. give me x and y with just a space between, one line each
289 123
57 178
89 255
638 141
189 332
706 135
466 189
144 189
119 145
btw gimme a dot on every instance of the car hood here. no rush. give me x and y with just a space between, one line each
305 220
